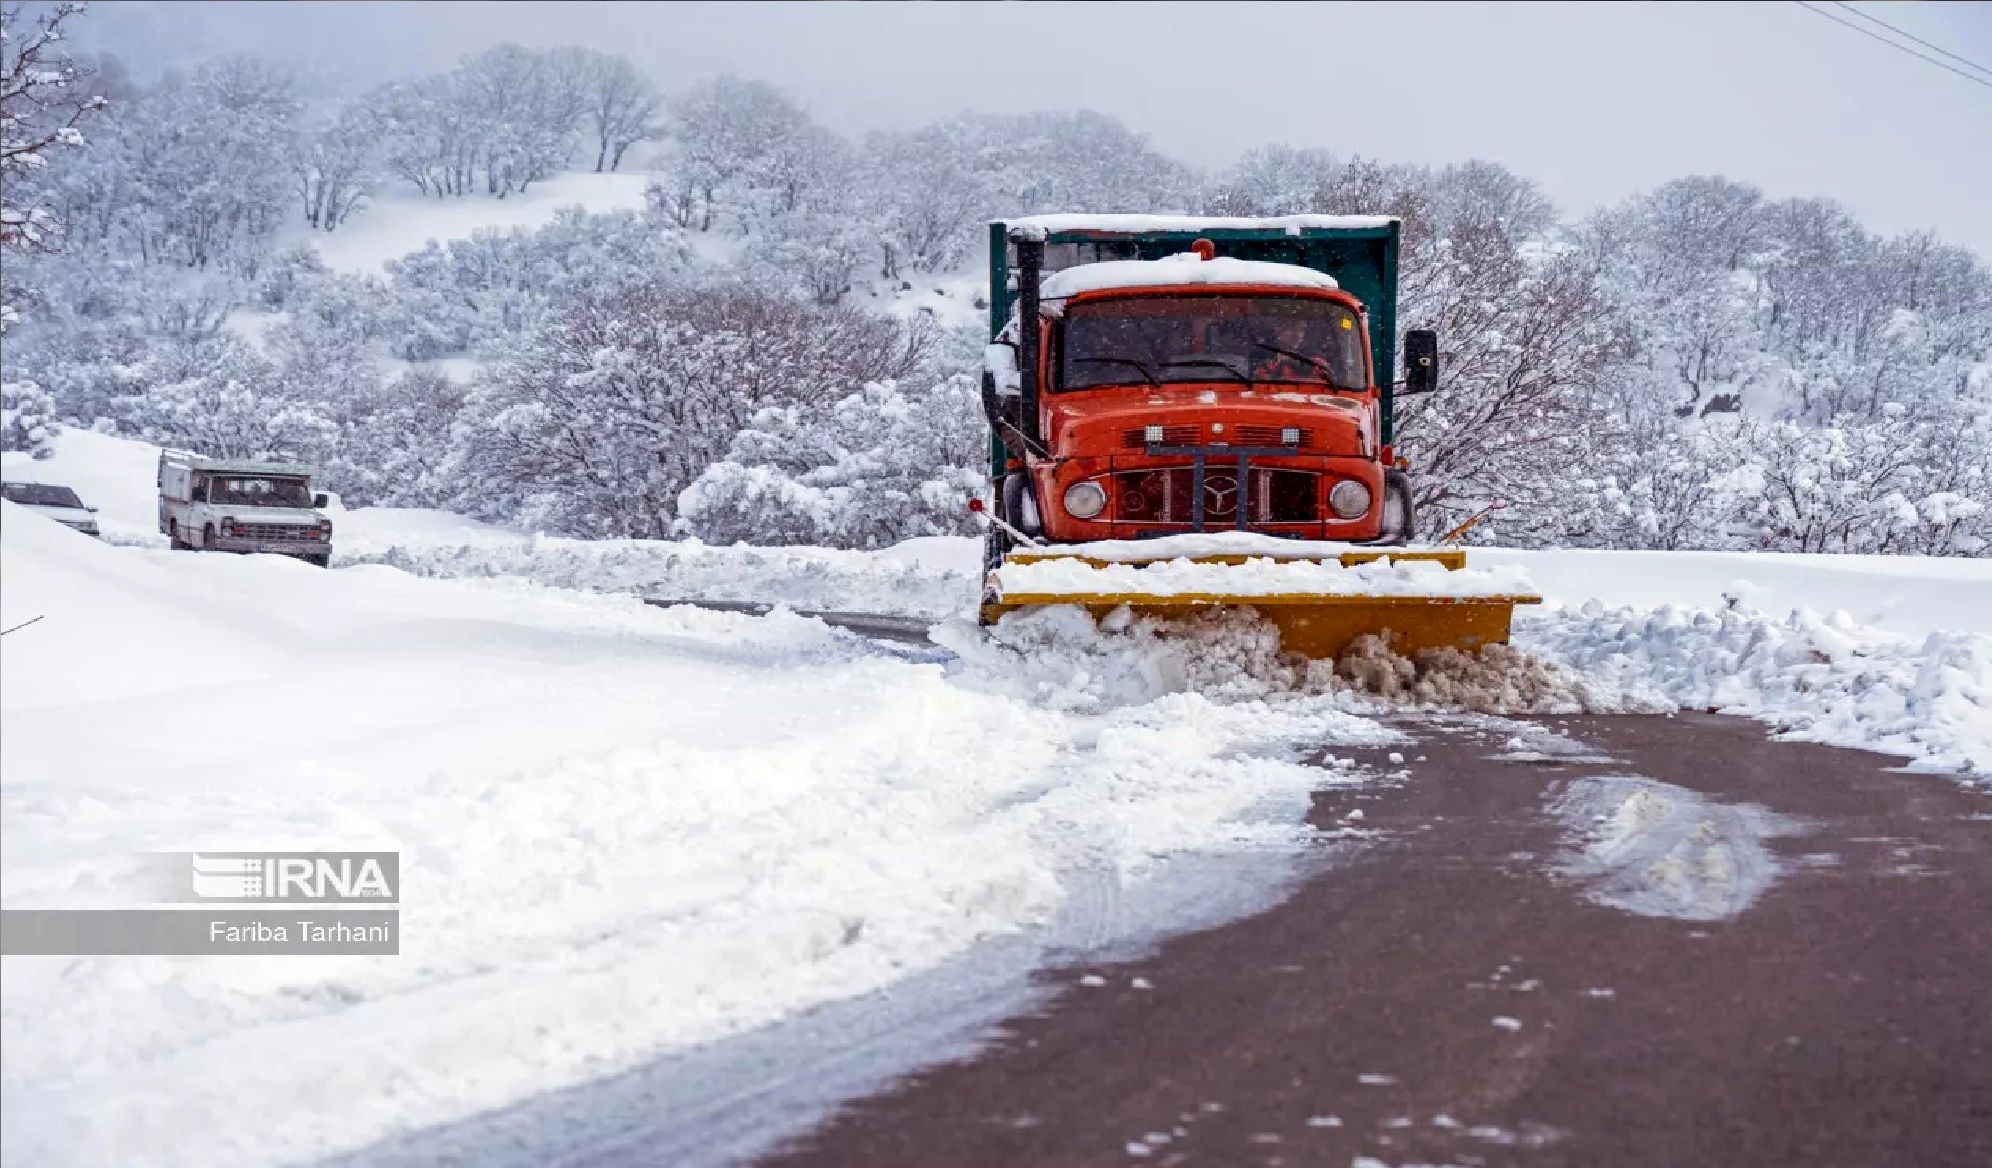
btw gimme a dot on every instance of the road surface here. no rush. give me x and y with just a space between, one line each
1780 954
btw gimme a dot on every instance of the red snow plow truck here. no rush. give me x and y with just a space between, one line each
1216 390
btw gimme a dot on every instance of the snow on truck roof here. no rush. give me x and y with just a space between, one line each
1188 268
1041 226
246 466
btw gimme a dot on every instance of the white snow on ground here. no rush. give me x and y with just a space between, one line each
1659 850
394 224
1064 576
366 530
117 476
1887 652
823 579
624 830
1906 594
1820 679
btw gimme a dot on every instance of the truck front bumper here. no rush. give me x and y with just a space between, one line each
309 549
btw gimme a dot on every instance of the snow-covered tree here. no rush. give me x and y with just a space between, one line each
27 419
728 137
44 100
336 166
1272 180
867 470
599 422
623 108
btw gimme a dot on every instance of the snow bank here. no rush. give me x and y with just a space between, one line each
1907 594
624 830
371 530
823 579
1040 226
1819 679
1188 268
1258 577
1658 850
117 476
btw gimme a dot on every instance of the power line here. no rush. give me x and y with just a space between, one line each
1898 45
1907 35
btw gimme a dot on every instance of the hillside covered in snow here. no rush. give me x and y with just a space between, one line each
608 310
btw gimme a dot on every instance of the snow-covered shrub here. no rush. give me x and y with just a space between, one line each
868 470
485 292
27 416
595 424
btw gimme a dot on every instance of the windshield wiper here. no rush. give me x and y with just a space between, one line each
1143 369
1228 367
1327 374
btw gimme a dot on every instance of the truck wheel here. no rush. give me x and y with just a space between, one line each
1019 508
207 538
1400 518
173 539
322 559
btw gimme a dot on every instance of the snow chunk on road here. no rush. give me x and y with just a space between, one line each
1659 850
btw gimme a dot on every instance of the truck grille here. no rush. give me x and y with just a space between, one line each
1163 496
275 532
1171 436
1270 436
1241 436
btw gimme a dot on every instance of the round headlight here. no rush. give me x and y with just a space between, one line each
1349 499
1085 500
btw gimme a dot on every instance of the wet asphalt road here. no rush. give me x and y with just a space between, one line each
1443 995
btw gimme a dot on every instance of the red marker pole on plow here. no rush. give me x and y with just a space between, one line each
976 505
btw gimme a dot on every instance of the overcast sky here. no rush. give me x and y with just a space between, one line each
1594 101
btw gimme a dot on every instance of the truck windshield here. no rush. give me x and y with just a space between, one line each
259 491
1162 339
40 495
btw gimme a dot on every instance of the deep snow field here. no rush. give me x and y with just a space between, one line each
627 830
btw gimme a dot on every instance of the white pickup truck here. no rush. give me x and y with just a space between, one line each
230 505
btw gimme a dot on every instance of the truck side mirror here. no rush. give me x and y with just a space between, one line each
320 500
1421 361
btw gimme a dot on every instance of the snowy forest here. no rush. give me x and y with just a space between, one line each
1699 366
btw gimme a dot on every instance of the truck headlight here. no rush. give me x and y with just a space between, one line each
1085 500
1349 499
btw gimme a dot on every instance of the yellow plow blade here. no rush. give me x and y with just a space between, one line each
1312 624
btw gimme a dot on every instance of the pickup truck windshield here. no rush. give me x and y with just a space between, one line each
1257 339
40 495
259 491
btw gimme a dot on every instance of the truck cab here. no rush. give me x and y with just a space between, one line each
1141 384
233 505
